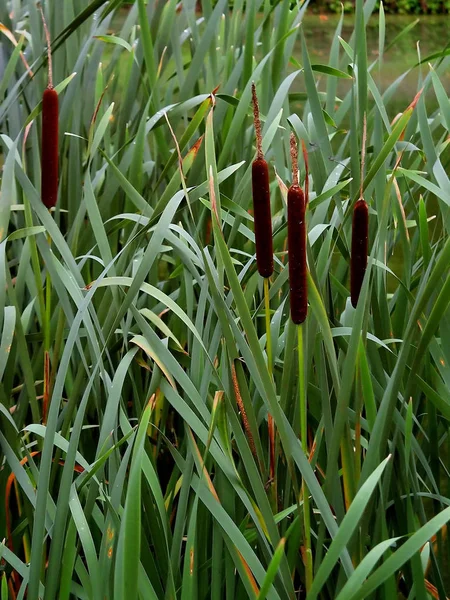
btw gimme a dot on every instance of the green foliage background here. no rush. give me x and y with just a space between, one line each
147 474
401 7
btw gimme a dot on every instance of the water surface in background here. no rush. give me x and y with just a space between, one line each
432 31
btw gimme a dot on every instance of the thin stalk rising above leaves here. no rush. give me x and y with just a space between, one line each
50 117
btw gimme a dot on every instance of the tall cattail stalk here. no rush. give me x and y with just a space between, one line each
49 195
264 258
360 235
358 265
299 309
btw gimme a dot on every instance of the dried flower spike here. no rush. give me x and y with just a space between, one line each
298 284
261 201
50 118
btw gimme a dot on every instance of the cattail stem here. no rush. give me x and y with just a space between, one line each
306 161
268 333
49 49
304 441
271 424
47 324
363 155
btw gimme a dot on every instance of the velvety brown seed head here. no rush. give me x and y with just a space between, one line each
263 217
360 240
298 284
49 158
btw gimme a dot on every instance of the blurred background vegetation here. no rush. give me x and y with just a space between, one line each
400 7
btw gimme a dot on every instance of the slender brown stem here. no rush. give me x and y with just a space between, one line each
294 159
305 158
49 49
257 123
363 154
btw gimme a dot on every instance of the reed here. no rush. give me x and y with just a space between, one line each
264 260
298 288
49 196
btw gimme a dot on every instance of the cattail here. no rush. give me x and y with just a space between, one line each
261 201
49 157
297 244
360 237
360 233
49 160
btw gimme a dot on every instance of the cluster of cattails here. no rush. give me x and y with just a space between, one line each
50 155
297 202
296 224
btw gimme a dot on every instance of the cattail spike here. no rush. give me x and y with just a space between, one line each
261 201
294 159
263 217
363 154
50 117
49 158
298 284
257 123
360 241
49 49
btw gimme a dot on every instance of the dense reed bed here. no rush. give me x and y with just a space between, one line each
167 429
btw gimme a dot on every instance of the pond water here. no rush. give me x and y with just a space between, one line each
433 32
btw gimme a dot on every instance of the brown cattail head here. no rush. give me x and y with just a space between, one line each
261 201
360 237
50 117
49 158
298 284
263 217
